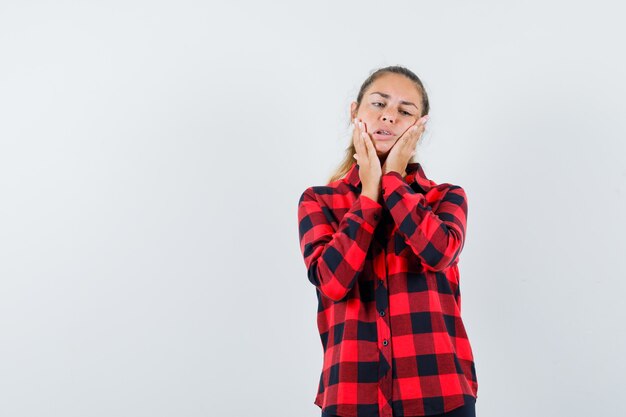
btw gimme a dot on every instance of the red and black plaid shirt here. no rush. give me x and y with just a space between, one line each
389 301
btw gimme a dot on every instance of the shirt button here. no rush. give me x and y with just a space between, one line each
382 312
385 342
380 281
382 191
376 217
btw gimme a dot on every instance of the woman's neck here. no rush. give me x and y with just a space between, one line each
384 158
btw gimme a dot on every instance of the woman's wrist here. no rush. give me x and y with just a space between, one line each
373 194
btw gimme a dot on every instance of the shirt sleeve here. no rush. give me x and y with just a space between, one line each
335 257
436 236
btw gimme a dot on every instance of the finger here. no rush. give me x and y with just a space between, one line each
371 149
355 135
419 123
366 150
405 140
415 135
422 126
363 139
405 137
358 141
355 132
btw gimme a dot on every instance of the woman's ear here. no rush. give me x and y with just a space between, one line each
353 109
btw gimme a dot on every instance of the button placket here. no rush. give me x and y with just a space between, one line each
383 323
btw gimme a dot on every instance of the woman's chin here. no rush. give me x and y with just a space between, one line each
382 149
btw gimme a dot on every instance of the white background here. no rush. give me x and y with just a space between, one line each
152 155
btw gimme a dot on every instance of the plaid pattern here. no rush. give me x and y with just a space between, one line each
389 302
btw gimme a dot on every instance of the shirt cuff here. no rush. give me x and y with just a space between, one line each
371 209
390 182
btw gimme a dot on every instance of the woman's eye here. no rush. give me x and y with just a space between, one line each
403 111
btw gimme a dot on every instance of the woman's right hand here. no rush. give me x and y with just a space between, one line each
370 170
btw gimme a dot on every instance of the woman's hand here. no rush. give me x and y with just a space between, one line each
370 170
404 148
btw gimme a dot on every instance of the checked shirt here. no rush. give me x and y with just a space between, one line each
388 291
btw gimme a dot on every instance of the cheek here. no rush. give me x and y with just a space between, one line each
368 119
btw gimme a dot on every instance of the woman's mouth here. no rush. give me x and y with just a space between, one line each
383 135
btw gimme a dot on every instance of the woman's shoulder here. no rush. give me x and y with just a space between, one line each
416 174
338 186
447 191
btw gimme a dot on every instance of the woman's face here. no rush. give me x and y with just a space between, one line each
391 103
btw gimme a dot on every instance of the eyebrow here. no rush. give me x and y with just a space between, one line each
402 102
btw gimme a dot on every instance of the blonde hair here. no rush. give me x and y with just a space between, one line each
348 158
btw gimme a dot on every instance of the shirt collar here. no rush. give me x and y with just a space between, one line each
414 174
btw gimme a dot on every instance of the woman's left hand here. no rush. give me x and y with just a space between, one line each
404 148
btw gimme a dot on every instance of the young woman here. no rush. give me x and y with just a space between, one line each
381 244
